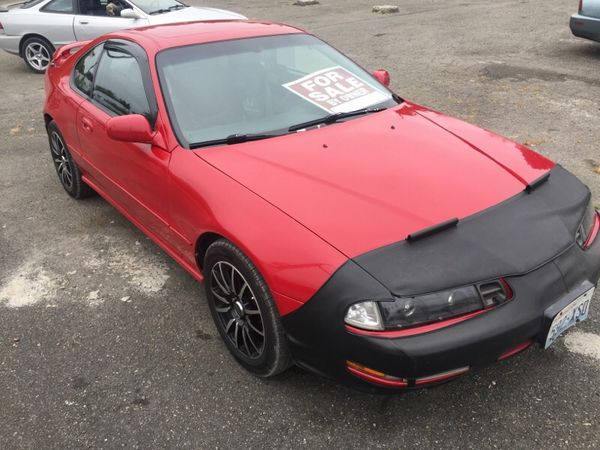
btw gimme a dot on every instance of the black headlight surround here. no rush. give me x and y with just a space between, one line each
408 312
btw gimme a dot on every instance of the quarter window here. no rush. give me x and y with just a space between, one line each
59 6
118 85
83 75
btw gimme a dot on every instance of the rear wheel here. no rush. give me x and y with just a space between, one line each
37 53
244 311
66 169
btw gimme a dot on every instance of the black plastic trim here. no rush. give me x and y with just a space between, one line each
537 183
430 231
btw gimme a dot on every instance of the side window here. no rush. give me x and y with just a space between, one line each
83 75
118 86
59 6
110 8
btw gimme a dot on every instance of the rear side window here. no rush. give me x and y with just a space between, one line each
118 86
83 75
59 6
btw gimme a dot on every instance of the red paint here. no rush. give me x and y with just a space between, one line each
515 350
296 207
594 233
131 128
416 330
383 76
64 52
374 184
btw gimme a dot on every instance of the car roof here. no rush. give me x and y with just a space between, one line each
188 33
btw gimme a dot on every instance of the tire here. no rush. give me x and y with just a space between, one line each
66 169
241 313
37 53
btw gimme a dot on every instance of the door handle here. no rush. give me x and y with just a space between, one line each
83 22
86 124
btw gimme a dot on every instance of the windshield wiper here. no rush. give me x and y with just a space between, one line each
169 9
332 118
233 139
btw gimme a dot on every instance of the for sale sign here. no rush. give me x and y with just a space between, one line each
337 90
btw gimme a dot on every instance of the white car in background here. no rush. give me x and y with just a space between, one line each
36 28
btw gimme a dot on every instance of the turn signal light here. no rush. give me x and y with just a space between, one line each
374 376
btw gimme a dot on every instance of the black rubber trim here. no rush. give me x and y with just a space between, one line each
430 231
537 183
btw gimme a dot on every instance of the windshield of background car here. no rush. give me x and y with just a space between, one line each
260 85
157 6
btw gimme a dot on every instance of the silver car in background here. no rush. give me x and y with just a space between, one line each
586 23
36 28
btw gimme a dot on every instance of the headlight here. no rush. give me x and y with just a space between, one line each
408 312
364 315
584 232
411 311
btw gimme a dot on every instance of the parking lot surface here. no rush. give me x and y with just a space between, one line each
106 343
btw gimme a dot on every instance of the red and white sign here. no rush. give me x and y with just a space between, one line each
337 90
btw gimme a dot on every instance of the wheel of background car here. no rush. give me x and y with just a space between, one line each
244 311
66 169
37 53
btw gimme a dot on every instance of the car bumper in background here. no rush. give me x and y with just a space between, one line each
585 27
10 44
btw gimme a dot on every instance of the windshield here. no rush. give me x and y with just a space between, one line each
260 86
28 4
158 6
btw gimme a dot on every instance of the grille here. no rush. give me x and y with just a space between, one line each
493 293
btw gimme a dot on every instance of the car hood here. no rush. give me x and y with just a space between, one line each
192 13
371 181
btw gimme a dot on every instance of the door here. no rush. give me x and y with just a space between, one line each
93 21
133 175
56 21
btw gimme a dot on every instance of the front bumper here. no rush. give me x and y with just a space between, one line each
10 44
585 27
321 343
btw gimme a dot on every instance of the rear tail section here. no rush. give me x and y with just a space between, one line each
65 52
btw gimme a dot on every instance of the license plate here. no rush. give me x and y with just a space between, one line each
574 312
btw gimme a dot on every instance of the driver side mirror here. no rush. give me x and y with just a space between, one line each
130 128
130 13
383 76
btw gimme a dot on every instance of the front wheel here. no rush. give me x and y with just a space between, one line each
66 169
244 311
37 53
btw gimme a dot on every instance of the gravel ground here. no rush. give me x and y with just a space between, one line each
105 342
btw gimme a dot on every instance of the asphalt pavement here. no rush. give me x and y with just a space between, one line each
106 343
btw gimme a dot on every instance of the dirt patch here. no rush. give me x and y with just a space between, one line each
499 71
586 344
28 285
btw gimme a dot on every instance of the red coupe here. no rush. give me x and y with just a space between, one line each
336 225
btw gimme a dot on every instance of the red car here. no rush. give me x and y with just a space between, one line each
336 225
